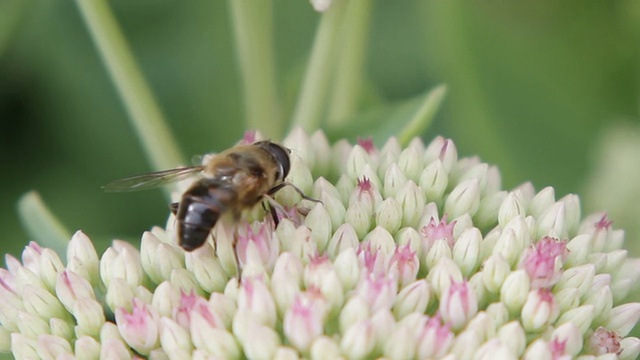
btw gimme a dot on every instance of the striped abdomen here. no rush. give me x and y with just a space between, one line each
199 210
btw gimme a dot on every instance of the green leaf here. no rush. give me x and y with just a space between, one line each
405 120
41 225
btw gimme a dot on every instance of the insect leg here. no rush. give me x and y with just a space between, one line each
174 208
278 187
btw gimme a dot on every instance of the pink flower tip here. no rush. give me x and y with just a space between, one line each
364 185
604 223
605 341
438 230
367 144
543 262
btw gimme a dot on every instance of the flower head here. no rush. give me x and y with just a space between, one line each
375 270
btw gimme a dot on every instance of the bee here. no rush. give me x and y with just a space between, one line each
231 181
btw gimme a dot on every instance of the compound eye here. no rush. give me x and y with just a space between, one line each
281 155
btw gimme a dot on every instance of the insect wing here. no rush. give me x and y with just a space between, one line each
151 180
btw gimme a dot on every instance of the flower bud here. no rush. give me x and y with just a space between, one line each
119 295
439 250
498 312
515 290
208 334
567 299
114 349
542 201
320 145
623 318
580 277
319 221
40 302
207 270
494 349
87 347
31 325
50 267
61 328
175 340
53 347
347 268
358 340
442 274
335 208
389 214
538 350
458 304
488 213
286 280
465 345
539 311
324 347
413 298
579 249
139 327
254 297
166 297
359 217
70 287
512 335
464 198
513 240
466 251
411 200
630 348
345 237
604 341
380 241
121 261
82 257
263 344
572 209
378 291
148 250
186 281
411 163
495 271
403 265
354 310
569 335
444 150
553 221
400 344
304 321
394 180
89 317
510 209
434 180
321 275
483 325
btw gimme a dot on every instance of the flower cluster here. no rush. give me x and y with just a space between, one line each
411 253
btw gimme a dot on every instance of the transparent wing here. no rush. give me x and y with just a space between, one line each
151 180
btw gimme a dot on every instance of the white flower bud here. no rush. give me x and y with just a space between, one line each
62 328
579 249
490 205
494 349
347 268
89 317
411 201
411 163
319 221
53 347
400 344
119 295
40 302
498 313
31 325
495 271
50 267
464 198
444 150
483 325
466 251
623 318
538 350
465 345
175 339
394 180
434 180
579 277
70 287
354 310
413 298
630 348
82 254
335 208
569 335
207 269
515 290
512 335
442 274
389 215
87 347
358 340
553 222
542 201
324 347
567 299
359 217
263 344
320 146
572 209
539 311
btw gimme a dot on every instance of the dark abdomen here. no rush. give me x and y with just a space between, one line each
200 208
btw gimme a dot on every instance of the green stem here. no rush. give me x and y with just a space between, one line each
253 28
10 15
144 113
312 98
424 116
347 82
41 225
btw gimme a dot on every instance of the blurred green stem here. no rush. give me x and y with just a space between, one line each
144 113
419 123
347 82
10 15
41 225
313 93
253 27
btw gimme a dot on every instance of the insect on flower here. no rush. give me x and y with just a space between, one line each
231 181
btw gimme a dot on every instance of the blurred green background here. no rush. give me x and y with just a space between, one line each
533 87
